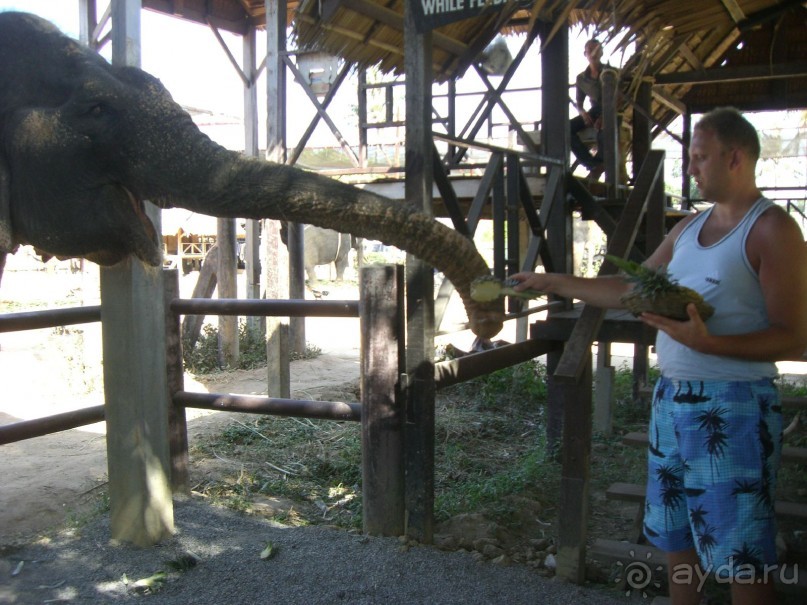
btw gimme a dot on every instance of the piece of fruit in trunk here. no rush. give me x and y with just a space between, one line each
655 292
488 288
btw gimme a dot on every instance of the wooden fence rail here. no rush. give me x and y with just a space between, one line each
381 326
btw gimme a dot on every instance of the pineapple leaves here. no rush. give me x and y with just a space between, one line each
654 291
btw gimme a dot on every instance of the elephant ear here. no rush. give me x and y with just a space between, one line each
6 233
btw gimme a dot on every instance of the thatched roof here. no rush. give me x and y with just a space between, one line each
759 46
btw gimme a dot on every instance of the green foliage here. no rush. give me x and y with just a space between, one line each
650 282
519 386
203 358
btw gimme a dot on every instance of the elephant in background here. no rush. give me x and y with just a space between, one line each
83 144
323 247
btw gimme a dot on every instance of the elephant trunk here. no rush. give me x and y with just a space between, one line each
241 187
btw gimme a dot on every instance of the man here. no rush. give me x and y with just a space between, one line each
716 421
588 86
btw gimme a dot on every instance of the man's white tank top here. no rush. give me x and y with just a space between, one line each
722 274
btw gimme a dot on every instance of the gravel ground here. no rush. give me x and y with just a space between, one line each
312 565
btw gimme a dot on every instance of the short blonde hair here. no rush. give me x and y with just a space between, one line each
732 129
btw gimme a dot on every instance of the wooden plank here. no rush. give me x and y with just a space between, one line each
382 412
791 509
628 492
794 403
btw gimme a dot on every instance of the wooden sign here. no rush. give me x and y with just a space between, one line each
430 14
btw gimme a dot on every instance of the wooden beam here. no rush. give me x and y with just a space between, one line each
735 74
686 52
734 10
666 99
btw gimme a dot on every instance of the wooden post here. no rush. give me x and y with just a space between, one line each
135 386
296 248
574 481
686 182
177 423
610 121
252 229
641 367
381 302
554 406
642 135
277 328
204 288
362 111
419 392
277 270
603 389
228 324
555 137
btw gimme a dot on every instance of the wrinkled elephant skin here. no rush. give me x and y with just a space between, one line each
323 247
83 144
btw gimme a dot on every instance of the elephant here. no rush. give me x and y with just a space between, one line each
83 144
323 247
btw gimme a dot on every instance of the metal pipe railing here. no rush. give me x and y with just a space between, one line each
261 307
35 320
38 427
272 406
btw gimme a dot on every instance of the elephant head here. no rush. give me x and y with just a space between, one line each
83 144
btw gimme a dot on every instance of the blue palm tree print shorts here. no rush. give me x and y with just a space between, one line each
714 450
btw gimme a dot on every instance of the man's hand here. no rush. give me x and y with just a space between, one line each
530 281
586 118
692 332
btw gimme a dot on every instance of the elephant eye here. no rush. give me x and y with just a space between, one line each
96 110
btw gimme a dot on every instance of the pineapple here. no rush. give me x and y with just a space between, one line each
488 288
655 292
